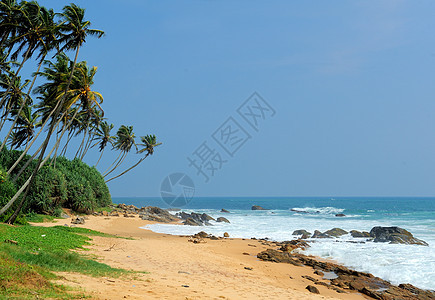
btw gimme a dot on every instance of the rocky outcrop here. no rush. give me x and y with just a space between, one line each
156 214
340 215
224 210
347 279
78 220
394 235
319 235
302 232
222 219
293 244
257 207
195 218
336 232
359 234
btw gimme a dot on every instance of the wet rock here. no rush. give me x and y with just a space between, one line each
312 289
359 234
336 232
224 210
205 217
309 278
301 232
192 222
226 234
319 235
257 207
222 219
304 211
200 219
293 244
340 215
318 272
78 220
394 235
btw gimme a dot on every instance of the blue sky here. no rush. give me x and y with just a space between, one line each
352 84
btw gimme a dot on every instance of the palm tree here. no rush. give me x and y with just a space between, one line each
14 95
103 136
75 30
148 144
124 141
25 127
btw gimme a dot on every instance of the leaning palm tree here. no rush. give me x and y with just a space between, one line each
75 30
103 137
25 127
124 141
148 144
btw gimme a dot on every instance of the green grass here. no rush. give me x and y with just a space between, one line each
39 218
26 267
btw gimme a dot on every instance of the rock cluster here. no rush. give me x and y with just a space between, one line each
346 279
393 235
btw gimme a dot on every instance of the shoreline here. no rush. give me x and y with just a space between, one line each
179 269
226 268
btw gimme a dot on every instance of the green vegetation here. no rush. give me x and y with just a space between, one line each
64 105
30 254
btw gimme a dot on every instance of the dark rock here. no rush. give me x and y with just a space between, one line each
156 214
226 234
248 268
246 253
205 217
318 235
340 215
192 222
201 234
224 210
277 256
312 289
222 219
257 207
394 235
336 232
309 278
301 232
318 272
293 244
305 236
64 215
359 234
78 220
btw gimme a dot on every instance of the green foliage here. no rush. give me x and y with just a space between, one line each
39 218
71 184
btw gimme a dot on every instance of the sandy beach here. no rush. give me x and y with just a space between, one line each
179 269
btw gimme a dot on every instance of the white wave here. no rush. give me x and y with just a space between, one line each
319 210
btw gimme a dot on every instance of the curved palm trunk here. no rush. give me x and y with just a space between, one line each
41 160
117 165
87 146
27 164
101 155
134 166
22 105
112 163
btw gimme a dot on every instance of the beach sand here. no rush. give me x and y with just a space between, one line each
179 269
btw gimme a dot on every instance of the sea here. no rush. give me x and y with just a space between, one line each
396 263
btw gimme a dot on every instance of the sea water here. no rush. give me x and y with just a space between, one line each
397 263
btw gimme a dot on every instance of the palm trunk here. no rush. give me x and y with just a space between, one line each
101 155
134 166
87 146
27 164
117 165
22 105
41 160
112 163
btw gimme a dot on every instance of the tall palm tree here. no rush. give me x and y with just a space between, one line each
25 127
74 31
124 141
148 144
13 93
103 137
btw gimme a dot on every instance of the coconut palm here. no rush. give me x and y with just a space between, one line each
103 137
148 144
124 141
74 31
25 127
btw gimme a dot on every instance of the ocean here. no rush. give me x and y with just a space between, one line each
394 262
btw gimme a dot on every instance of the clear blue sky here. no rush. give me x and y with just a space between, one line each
352 84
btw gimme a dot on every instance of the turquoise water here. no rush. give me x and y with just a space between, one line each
397 263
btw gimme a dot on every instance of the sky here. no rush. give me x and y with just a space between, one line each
348 86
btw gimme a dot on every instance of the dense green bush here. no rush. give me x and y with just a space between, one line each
67 183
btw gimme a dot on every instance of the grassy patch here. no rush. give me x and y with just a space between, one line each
29 255
38 218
